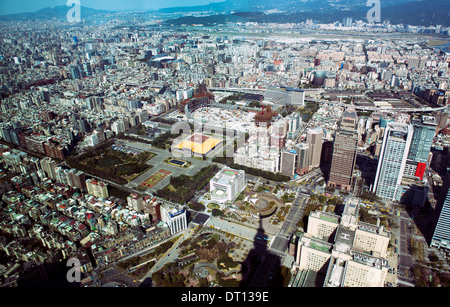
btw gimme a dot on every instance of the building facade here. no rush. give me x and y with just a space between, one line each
288 162
344 152
441 234
175 218
97 188
391 165
226 185
314 139
343 251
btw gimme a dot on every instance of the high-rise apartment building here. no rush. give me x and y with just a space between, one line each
97 188
135 202
77 179
393 155
344 152
48 165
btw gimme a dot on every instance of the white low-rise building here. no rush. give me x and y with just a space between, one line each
226 185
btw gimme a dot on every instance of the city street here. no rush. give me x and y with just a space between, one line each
281 241
172 253
405 261
245 232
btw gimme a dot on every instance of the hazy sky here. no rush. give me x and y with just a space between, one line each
22 6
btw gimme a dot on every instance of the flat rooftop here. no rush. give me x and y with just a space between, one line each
199 143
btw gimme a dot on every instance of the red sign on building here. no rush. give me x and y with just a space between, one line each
420 170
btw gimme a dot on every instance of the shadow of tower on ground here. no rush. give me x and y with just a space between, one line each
261 268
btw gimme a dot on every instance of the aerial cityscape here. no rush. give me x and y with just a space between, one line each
225 144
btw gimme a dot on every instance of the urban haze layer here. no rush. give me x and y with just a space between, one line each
149 149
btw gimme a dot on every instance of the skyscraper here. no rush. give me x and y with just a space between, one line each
314 139
422 140
302 158
344 152
75 72
441 235
294 121
413 190
424 131
391 164
288 162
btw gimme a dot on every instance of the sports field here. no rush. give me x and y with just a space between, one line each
155 178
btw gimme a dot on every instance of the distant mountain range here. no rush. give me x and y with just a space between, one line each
424 13
421 13
229 6
58 12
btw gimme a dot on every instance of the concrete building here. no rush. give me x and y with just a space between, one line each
294 121
97 188
313 254
226 185
356 270
391 165
288 162
344 152
323 225
175 218
341 251
285 96
371 238
314 139
302 158
135 202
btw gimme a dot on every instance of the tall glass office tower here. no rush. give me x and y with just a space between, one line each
421 143
391 165
441 235
424 130
422 140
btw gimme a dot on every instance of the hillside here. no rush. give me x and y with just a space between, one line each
420 13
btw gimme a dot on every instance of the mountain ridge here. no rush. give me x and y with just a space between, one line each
419 13
412 12
54 12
